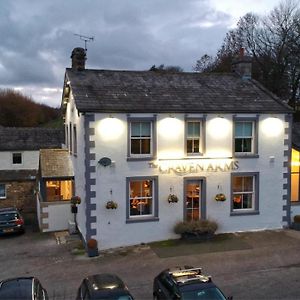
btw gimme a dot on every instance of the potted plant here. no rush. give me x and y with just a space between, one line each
172 198
220 197
92 248
111 204
196 230
296 224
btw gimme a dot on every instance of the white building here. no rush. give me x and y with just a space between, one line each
137 137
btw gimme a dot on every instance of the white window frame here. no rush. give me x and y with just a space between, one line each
153 216
255 194
246 137
152 138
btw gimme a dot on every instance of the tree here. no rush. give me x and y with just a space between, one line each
163 68
274 43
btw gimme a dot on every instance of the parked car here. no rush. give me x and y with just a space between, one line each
11 221
23 288
103 286
185 283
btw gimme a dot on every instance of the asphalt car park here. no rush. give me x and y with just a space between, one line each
268 269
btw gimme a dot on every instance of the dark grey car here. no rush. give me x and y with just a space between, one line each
22 288
103 286
11 221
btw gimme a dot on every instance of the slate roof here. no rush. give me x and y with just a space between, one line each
149 91
20 138
18 175
296 135
55 163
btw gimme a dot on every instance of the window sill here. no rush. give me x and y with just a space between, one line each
246 155
295 203
142 220
244 213
140 158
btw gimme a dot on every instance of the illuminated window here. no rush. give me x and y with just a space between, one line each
142 198
244 192
295 172
17 158
2 191
141 137
193 137
57 190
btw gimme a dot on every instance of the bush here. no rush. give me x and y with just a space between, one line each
196 227
297 219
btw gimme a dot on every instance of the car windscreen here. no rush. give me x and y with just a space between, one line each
5 217
211 293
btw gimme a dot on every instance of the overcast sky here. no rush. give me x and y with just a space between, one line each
37 36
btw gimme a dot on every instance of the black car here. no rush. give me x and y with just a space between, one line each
103 286
11 221
185 283
23 288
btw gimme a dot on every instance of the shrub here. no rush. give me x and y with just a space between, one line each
92 244
297 219
196 227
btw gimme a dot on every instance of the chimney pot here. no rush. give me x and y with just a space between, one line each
78 57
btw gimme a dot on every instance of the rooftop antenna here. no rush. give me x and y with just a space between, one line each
85 39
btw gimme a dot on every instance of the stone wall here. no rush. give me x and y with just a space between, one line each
20 195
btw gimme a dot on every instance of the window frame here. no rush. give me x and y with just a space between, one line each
12 158
5 194
142 218
74 140
153 149
255 201
202 145
254 141
71 138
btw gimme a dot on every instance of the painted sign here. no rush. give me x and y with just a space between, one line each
184 167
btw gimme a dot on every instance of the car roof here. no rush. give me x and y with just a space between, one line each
16 288
8 209
105 285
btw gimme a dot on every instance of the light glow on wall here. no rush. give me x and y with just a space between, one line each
272 127
218 128
111 129
170 154
169 128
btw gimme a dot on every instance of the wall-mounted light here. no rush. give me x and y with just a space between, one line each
272 126
169 127
110 128
218 128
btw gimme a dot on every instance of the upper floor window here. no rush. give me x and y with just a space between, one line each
245 137
194 137
141 138
17 158
74 140
71 140
244 192
2 191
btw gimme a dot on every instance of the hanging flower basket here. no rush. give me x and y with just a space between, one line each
220 197
111 205
75 200
172 198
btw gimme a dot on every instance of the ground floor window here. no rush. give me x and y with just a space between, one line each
244 192
2 191
295 176
57 190
142 197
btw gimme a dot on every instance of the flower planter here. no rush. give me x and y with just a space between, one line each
92 252
296 226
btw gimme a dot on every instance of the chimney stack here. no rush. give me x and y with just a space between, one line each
242 65
78 59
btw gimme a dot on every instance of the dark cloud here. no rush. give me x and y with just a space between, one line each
38 36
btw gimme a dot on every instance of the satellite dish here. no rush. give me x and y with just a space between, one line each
105 161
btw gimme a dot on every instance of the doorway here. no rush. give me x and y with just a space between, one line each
194 204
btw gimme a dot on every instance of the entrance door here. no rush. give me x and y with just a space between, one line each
193 200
